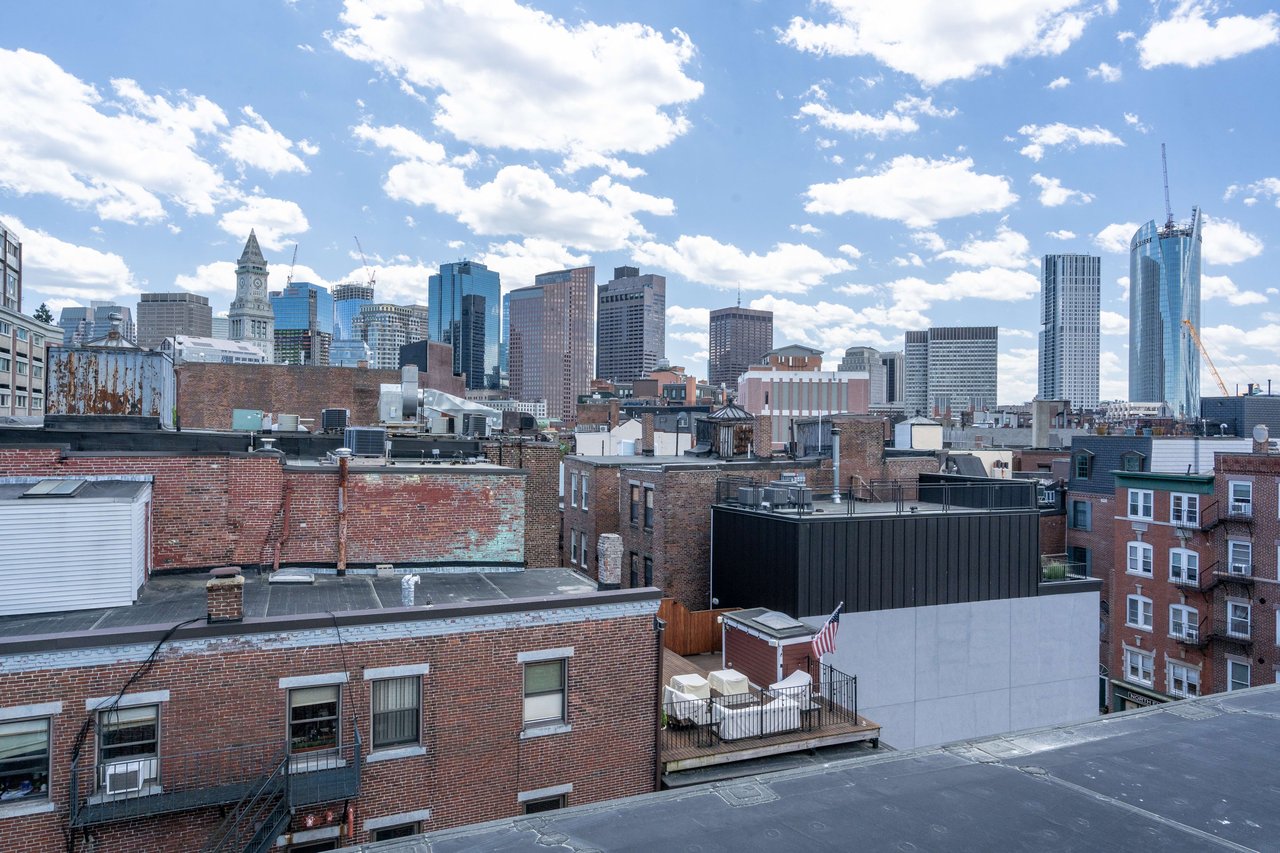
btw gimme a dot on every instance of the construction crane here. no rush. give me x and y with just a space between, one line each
368 272
1168 208
1222 386
288 281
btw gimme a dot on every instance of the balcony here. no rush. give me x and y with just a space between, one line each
171 783
1190 636
1060 567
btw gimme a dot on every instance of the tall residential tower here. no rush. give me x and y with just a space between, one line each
1070 296
631 321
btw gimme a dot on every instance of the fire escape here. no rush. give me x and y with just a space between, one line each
1230 578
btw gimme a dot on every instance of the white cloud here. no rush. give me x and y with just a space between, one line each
1041 137
1001 285
911 260
1104 72
403 283
63 273
1062 234
260 145
1222 287
1115 237
1133 121
519 262
1008 249
1190 39
1265 188
122 157
1059 83
1112 323
786 268
509 76
1016 333
1018 375
805 228
856 289
851 251
916 191
1225 242
1054 194
1123 282
900 119
929 240
276 221
214 280
578 160
1126 35
830 326
694 318
940 40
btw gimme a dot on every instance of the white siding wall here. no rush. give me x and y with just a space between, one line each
140 508
67 554
1173 455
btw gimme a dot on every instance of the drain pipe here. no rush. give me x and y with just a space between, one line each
660 629
283 537
835 464
342 515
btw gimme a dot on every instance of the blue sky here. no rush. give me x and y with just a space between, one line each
857 166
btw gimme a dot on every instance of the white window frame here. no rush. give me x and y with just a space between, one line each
1239 611
1235 549
1184 622
1184 509
374 711
583 541
585 490
1176 671
1134 673
1181 570
1143 608
1244 506
573 489
1142 504
1232 682
573 547
1140 548
533 727
17 718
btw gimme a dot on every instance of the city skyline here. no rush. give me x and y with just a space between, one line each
327 126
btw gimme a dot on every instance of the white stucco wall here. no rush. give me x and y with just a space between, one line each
932 675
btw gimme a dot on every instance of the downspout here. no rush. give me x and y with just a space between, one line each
660 628
342 516
283 536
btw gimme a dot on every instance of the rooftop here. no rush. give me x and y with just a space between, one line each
1135 779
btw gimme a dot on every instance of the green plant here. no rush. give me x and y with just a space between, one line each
1054 570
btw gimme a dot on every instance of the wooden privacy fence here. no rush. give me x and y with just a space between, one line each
691 632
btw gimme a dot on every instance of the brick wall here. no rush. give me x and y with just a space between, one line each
229 509
599 515
541 495
600 412
475 762
1099 542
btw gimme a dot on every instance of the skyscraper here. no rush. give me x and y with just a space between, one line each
250 316
740 337
915 397
164 315
631 323
386 328
951 369
447 291
1070 295
10 270
867 360
348 298
1164 290
303 323
552 340
894 377
81 325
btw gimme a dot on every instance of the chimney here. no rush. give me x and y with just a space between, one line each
1261 439
609 560
646 434
225 593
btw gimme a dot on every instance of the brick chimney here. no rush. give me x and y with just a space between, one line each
1261 439
646 434
225 593
609 561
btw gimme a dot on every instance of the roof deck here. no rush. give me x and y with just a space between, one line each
932 494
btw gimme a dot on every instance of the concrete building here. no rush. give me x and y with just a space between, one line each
873 363
631 322
188 348
1164 291
740 337
1070 297
221 328
10 269
386 328
791 385
348 298
950 370
552 340
80 325
303 323
894 378
464 305
24 357
251 319
164 315
1240 414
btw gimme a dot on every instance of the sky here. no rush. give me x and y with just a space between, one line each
859 167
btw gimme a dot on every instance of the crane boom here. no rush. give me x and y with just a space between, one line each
292 264
1168 208
368 272
1222 386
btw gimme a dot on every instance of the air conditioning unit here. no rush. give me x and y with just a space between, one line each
1241 509
1191 633
750 495
365 441
1241 569
123 777
334 420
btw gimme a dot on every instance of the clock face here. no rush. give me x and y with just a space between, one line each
257 284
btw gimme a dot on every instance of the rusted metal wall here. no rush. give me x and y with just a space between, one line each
98 381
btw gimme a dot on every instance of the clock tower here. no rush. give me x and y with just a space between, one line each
251 318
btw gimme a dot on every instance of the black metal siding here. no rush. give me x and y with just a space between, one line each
762 555
1107 450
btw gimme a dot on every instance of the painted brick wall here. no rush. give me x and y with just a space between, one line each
474 765
541 495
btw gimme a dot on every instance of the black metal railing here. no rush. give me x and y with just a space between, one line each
1060 567
1219 512
880 497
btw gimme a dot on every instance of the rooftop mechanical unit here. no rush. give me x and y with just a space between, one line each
365 441
334 420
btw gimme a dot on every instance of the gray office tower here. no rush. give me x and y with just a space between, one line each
631 323
951 369
1164 290
869 361
894 377
446 292
81 325
1070 296
740 337
164 315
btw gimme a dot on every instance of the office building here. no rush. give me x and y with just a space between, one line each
221 328
552 340
251 318
164 315
740 337
350 354
386 328
894 378
347 301
871 362
1164 291
24 345
304 323
81 325
464 305
10 269
1070 296
631 321
185 349
950 370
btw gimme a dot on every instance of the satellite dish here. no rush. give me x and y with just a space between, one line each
1260 434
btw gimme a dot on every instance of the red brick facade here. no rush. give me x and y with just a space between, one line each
541 495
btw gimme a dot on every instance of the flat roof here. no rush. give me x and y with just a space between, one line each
1188 775
113 490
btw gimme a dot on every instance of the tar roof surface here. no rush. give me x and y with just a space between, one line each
168 599
92 489
1191 775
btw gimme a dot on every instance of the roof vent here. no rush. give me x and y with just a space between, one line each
55 488
292 576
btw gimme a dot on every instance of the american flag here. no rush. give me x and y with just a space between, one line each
825 640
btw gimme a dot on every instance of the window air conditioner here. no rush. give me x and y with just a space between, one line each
1191 633
1240 569
127 776
1240 509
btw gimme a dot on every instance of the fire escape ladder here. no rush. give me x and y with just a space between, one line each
253 824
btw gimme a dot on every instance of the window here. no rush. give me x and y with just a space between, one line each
1184 622
1238 618
5 364
1139 560
1080 515
1182 681
1184 567
1242 499
635 573
648 571
313 718
1239 557
397 711
1082 559
544 692
1131 461
128 742
635 503
23 334
1237 675
544 804
1138 613
583 540
573 547
404 830
24 760
585 481
573 489
37 372
1140 503
1139 666
1082 465
648 507
1184 510
22 367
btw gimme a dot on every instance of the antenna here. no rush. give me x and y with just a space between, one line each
368 272
288 281
1168 209
739 294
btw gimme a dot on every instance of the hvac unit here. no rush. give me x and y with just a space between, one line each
1191 633
750 495
777 496
475 425
1242 569
334 420
287 423
365 441
125 777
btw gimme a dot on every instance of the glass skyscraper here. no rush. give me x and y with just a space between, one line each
1070 293
1164 290
304 323
475 341
347 301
